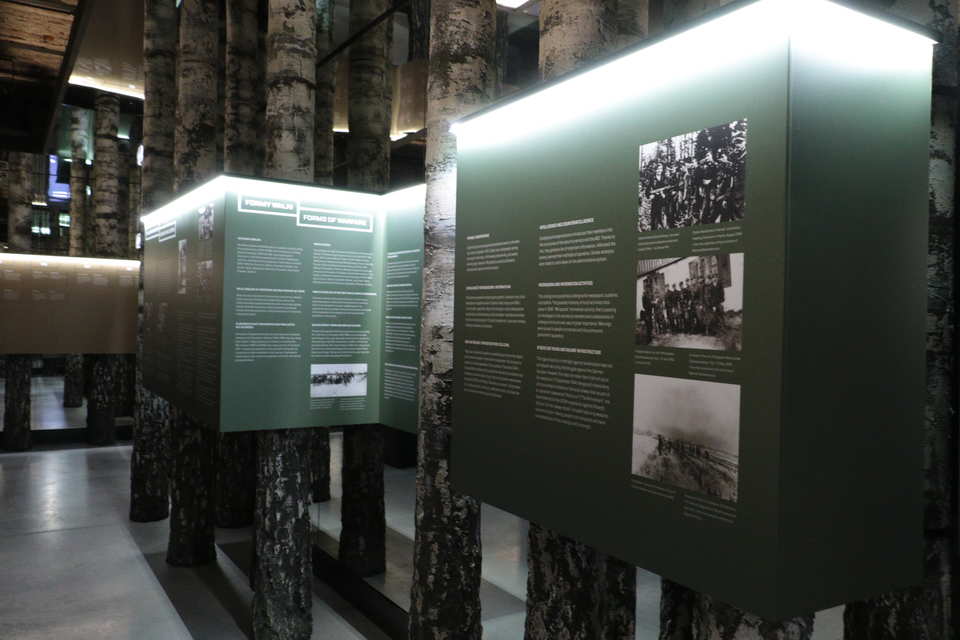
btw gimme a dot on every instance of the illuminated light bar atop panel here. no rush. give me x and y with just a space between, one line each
842 35
30 257
216 187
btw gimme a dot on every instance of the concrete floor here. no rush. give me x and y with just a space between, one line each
73 566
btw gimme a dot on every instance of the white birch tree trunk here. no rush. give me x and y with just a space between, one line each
445 596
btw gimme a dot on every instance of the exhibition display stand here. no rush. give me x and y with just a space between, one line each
271 305
690 305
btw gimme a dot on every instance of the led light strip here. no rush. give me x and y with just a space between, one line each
840 34
212 190
43 261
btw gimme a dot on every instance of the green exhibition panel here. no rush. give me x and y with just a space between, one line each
690 305
270 305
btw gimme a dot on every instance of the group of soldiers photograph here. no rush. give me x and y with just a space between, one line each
693 179
694 306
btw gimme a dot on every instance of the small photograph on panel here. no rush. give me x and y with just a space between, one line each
182 266
694 302
686 433
205 222
338 380
205 280
694 178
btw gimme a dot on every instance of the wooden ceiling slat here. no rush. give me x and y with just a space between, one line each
31 26
62 6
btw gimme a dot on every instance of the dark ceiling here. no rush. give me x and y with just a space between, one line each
38 44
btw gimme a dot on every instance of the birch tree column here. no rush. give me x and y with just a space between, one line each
323 163
927 612
79 138
282 598
149 468
445 595
362 538
193 446
108 238
16 414
236 455
574 590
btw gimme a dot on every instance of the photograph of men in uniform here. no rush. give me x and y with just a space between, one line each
691 303
694 178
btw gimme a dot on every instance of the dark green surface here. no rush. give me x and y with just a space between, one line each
176 365
822 516
275 392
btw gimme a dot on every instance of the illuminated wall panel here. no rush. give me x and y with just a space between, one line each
690 300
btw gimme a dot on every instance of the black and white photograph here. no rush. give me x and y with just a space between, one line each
205 280
338 380
182 266
694 302
686 433
694 178
205 222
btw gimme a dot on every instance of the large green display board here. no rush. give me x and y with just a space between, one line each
690 295
271 306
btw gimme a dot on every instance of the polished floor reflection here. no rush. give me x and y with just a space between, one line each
73 567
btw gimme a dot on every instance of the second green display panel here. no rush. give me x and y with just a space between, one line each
270 305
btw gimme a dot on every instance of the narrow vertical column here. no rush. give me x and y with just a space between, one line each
79 139
192 445
149 471
16 416
236 452
282 599
445 595
108 242
362 538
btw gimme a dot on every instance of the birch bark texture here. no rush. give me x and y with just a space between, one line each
19 195
323 164
573 590
242 82
368 147
326 76
73 383
104 386
282 598
291 86
17 410
79 139
149 461
927 612
236 452
363 514
461 77
192 446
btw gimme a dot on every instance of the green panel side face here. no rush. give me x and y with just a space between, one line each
603 389
183 284
403 262
854 353
301 313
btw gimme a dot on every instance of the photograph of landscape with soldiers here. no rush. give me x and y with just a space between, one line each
338 380
694 178
686 433
691 303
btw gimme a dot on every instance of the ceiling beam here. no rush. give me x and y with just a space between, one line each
80 20
10 44
49 5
